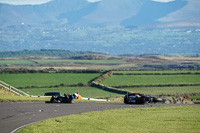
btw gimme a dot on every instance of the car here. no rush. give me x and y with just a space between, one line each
56 97
137 98
57 94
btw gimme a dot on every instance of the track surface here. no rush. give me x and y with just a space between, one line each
17 114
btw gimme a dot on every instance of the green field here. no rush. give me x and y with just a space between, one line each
157 72
39 83
43 62
47 79
182 119
156 91
89 92
56 62
118 80
16 62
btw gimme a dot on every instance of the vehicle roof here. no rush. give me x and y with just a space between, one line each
131 94
52 92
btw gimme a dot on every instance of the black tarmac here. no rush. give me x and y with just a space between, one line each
14 115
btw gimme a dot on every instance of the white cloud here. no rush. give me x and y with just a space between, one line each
94 0
163 1
24 2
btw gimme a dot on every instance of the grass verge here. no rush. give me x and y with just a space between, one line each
182 119
6 96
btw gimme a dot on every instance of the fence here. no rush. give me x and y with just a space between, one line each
13 89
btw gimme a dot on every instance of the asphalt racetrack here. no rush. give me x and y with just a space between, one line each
17 114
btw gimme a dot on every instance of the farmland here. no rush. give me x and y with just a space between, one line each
157 83
100 61
16 62
120 80
46 62
173 91
163 72
39 83
46 79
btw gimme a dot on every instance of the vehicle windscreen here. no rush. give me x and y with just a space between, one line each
52 94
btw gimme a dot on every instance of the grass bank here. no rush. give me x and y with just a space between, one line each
182 119
6 96
91 92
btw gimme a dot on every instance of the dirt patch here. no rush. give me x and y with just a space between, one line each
4 91
177 100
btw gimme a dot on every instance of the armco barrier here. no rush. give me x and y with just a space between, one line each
13 89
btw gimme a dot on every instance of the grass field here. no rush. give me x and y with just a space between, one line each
39 83
156 91
16 62
79 61
182 119
157 72
56 62
46 79
90 92
117 80
62 63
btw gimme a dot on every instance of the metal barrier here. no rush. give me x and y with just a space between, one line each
13 89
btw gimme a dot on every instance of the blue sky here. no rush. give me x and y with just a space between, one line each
24 2
164 1
37 2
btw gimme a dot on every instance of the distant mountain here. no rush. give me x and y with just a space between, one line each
189 15
104 26
39 14
102 13
151 11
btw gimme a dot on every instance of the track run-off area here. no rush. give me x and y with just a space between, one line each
15 115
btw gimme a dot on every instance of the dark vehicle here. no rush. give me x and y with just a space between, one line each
61 99
52 94
137 98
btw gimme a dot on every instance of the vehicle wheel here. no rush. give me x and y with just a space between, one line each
125 100
159 99
72 101
55 101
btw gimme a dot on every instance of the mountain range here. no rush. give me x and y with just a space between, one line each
114 27
103 13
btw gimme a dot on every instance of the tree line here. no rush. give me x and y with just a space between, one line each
42 53
47 70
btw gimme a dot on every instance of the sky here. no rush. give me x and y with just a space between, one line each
93 0
38 2
163 1
24 2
